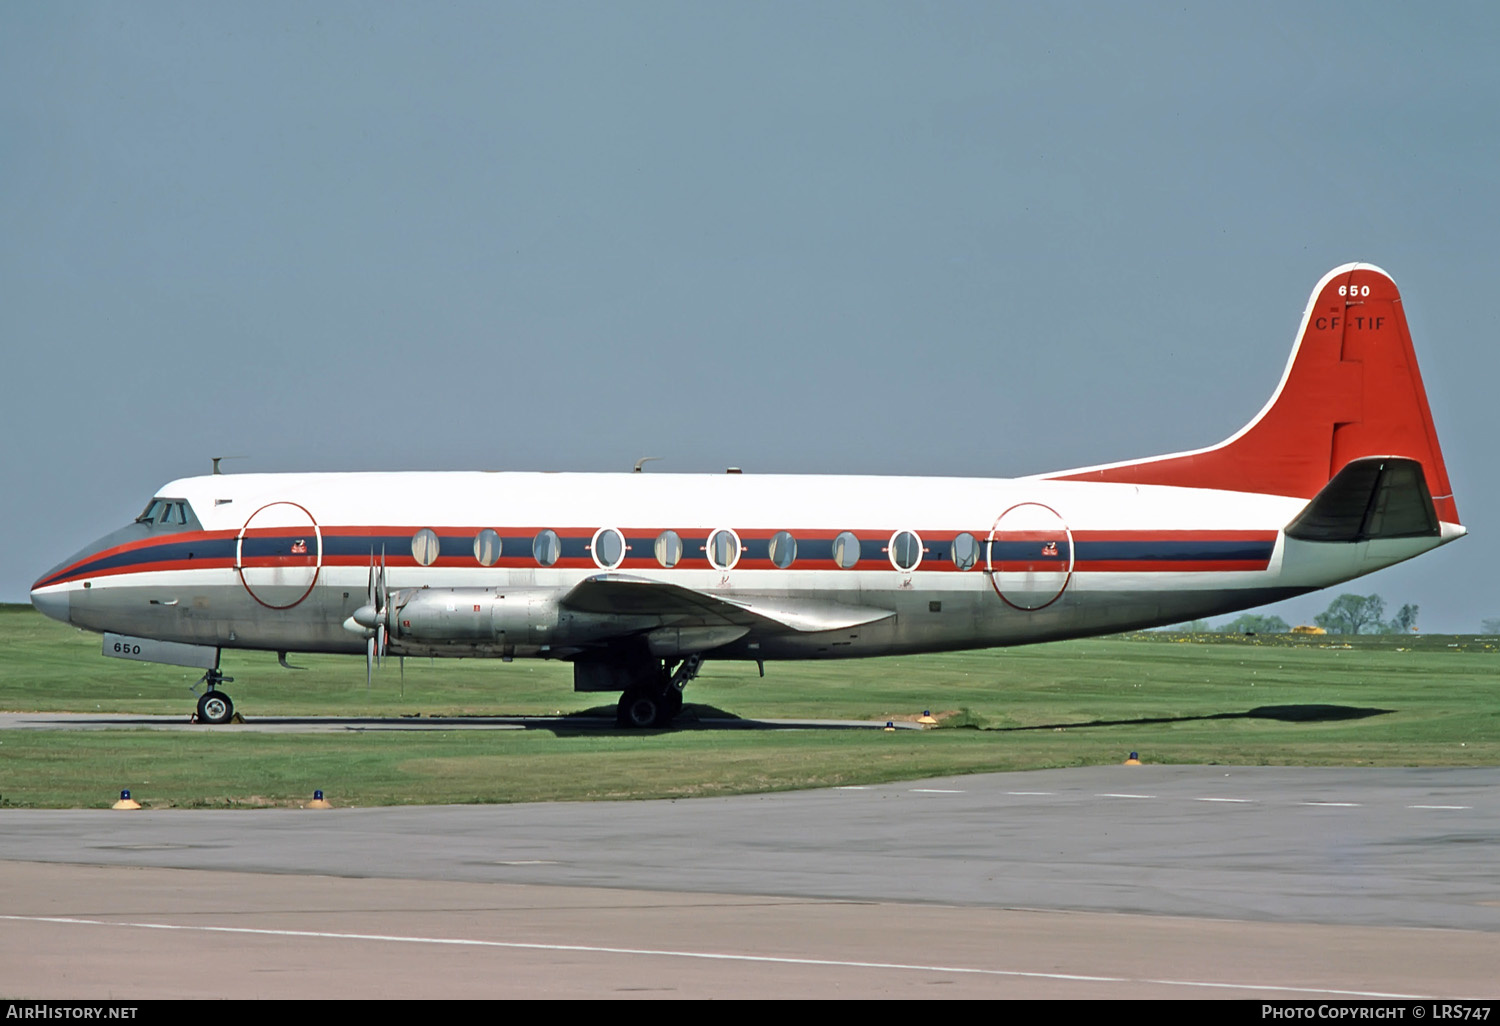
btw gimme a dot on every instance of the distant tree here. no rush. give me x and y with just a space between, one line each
1490 626
1255 623
1405 621
1353 614
1191 627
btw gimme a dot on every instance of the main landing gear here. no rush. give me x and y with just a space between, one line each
214 705
657 699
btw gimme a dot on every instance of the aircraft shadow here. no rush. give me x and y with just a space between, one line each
594 721
696 716
1285 713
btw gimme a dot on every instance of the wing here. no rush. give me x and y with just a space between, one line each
624 595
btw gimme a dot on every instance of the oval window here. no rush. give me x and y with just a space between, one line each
783 549
965 551
668 549
424 546
546 548
723 549
487 547
846 550
609 548
906 550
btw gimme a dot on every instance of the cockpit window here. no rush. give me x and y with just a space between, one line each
166 511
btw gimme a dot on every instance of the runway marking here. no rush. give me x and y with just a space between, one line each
1238 801
851 787
1333 805
1440 806
715 956
1124 796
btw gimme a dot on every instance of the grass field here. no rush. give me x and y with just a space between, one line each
1392 701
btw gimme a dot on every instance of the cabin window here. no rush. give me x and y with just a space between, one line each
609 548
487 547
424 546
668 549
783 549
546 548
965 551
846 550
906 550
723 549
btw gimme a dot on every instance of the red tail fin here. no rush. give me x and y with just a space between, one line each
1350 390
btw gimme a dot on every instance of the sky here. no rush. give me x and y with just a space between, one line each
982 239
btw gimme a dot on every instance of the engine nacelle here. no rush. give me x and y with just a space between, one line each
520 617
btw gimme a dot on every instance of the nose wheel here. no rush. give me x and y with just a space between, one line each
214 706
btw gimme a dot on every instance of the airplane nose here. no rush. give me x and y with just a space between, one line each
52 602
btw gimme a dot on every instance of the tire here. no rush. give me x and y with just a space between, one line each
639 710
215 707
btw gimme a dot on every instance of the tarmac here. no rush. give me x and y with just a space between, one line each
1265 883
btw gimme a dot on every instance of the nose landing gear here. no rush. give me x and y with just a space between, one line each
214 706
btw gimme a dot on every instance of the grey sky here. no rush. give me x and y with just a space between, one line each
985 239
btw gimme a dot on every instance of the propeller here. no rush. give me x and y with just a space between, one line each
371 619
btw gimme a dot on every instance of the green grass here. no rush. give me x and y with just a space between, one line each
1183 699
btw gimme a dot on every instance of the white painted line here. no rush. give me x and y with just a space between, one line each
933 790
851 787
526 862
1124 796
1440 806
1238 801
713 956
1333 805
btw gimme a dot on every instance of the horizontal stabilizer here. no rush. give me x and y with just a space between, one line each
624 595
1370 498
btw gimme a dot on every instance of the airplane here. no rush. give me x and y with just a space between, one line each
636 578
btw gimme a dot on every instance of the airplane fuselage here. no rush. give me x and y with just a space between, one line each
280 562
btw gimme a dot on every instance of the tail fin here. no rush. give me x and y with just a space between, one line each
1351 390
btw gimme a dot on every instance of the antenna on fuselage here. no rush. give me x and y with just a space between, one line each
641 462
217 460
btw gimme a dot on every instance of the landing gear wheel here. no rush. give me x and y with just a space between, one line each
642 709
215 707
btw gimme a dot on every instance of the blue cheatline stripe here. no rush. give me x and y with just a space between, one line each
1027 551
167 552
1188 551
809 550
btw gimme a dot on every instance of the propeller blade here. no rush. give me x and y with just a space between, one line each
369 660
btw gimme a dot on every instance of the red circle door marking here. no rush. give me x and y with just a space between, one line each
1030 556
272 576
